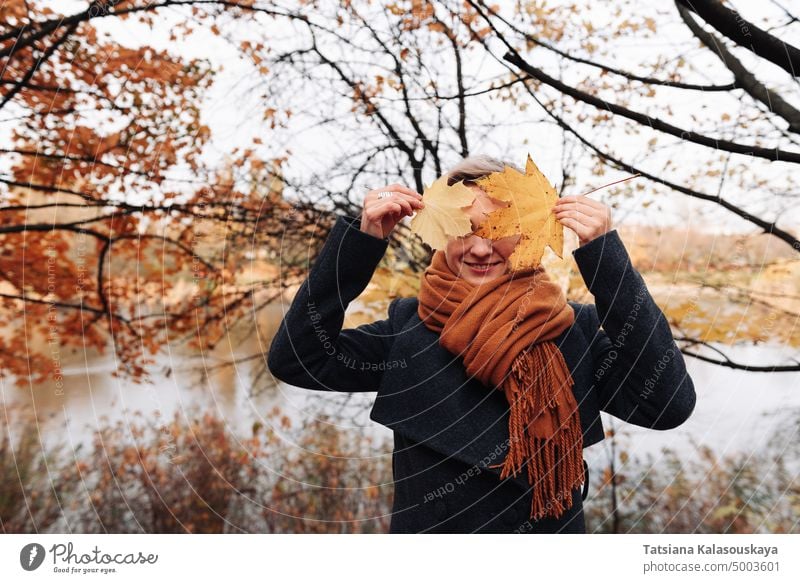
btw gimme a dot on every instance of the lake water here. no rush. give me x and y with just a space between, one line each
736 411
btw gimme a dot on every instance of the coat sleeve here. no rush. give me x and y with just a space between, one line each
639 372
310 349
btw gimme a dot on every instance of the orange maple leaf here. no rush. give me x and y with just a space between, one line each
531 198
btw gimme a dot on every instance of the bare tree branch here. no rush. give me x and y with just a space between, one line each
602 66
766 226
513 57
728 363
744 78
774 154
746 34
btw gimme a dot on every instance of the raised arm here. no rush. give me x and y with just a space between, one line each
640 373
310 349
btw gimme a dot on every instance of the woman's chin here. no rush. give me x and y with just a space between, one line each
479 278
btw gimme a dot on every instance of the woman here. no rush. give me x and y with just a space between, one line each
491 381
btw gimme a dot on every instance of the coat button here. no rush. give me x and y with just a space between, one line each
440 509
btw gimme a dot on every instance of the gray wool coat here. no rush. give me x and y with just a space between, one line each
448 427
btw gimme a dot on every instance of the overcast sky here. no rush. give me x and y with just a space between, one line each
233 104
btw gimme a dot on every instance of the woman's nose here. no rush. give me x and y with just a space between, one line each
481 246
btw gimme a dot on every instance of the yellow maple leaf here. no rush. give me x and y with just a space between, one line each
444 215
530 214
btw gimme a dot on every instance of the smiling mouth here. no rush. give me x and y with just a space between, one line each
482 266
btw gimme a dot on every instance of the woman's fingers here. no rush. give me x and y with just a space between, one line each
406 194
378 210
401 203
399 188
577 213
397 191
580 200
581 208
412 201
588 218
583 231
381 214
407 198
578 206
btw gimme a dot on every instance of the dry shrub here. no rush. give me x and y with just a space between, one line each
193 475
183 476
334 482
31 489
734 494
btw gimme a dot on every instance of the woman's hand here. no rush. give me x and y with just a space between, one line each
588 218
381 215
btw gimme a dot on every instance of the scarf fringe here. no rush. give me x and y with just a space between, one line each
551 442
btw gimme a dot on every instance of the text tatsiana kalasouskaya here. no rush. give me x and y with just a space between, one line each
709 550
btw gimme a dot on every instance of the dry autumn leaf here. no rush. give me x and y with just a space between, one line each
444 215
530 214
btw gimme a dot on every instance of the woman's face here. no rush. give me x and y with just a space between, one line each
469 255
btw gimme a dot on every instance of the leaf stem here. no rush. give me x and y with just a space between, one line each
610 184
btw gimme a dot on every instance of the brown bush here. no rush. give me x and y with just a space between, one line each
734 494
196 476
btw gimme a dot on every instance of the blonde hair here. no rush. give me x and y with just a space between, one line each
477 166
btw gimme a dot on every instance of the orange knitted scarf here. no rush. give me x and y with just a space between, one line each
504 329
